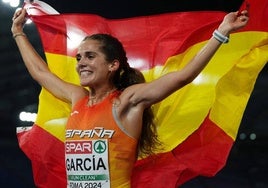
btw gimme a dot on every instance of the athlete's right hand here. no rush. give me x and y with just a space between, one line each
18 19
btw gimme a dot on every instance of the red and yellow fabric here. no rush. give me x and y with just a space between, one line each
198 124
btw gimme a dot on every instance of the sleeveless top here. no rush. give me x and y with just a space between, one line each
98 152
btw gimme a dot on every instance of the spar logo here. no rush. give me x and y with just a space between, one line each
100 146
78 147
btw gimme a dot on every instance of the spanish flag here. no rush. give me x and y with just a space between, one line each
197 124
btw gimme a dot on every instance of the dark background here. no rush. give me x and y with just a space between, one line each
248 161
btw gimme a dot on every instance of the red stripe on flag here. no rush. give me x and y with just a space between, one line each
46 153
153 39
203 153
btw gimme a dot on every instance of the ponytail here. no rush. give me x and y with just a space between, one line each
148 141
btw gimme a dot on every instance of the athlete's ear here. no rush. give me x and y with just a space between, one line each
114 65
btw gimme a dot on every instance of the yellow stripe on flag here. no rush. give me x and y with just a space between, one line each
52 112
182 113
234 89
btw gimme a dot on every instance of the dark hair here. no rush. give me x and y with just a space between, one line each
126 76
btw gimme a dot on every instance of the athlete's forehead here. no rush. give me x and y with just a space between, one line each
89 46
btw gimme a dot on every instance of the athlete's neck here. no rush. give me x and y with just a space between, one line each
97 97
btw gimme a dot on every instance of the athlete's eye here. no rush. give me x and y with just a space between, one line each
78 57
89 55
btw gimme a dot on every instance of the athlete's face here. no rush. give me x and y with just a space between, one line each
92 66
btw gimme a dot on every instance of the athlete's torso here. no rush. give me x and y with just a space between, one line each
99 153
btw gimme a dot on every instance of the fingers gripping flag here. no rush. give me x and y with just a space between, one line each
197 124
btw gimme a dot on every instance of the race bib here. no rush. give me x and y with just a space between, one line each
87 163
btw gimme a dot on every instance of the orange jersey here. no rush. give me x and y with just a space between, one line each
98 151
